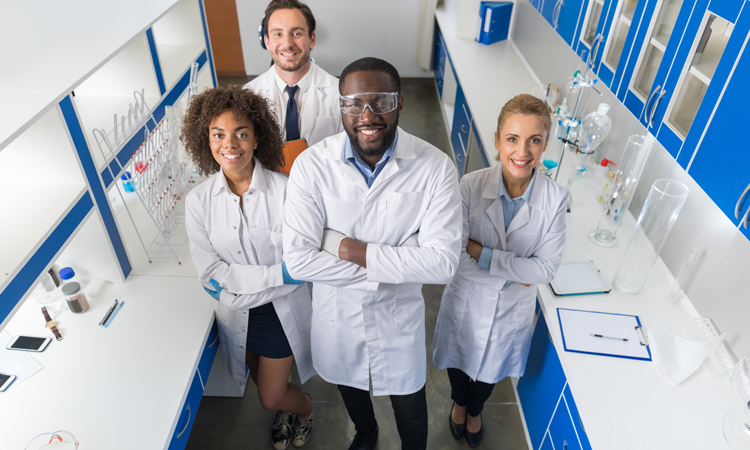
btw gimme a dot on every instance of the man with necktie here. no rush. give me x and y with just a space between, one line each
304 97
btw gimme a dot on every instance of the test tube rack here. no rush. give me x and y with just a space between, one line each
160 173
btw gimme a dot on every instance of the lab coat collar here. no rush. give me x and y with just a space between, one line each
495 210
303 83
258 182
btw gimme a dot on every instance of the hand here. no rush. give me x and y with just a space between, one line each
474 249
215 294
288 279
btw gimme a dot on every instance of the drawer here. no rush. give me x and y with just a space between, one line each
577 422
561 430
187 416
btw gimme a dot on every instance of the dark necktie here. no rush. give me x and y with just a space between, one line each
292 121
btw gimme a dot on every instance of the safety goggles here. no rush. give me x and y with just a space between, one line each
378 102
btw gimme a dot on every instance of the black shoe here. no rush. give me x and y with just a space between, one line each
456 429
361 442
474 438
281 431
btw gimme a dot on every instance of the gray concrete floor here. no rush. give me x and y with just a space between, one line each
241 423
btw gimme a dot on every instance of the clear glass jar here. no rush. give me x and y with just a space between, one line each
75 297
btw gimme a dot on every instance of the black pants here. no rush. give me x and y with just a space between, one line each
466 392
410 412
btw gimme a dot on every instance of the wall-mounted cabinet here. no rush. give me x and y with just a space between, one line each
178 40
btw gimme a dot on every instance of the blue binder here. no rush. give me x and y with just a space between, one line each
494 21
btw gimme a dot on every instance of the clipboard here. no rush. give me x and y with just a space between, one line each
292 149
605 334
579 278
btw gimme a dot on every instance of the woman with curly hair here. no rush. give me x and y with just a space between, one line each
234 222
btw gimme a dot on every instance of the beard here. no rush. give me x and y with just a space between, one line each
293 66
373 150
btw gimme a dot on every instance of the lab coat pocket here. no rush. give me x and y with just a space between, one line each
405 210
342 214
408 303
324 301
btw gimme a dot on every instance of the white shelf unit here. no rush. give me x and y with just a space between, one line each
177 42
108 93
40 182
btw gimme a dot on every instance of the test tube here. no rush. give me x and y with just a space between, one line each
682 276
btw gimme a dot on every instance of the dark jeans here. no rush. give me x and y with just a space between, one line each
466 392
410 412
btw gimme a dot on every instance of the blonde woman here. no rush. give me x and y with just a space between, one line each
513 235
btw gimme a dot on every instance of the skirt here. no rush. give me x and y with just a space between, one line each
265 335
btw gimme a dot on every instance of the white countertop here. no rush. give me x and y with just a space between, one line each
120 387
625 403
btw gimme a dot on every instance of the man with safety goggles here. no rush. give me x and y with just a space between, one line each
362 196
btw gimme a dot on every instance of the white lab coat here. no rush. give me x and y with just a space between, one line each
244 256
483 328
370 322
320 116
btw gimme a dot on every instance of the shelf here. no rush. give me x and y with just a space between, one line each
110 91
687 103
646 75
617 43
628 10
593 22
708 62
177 42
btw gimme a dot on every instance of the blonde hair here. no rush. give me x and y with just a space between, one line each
525 105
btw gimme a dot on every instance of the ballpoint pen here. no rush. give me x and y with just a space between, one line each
609 337
109 312
112 317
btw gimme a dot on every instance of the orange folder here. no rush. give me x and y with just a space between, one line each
292 149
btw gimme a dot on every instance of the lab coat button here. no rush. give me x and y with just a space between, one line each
238 252
253 226
234 228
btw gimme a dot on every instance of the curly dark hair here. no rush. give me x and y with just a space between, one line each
210 104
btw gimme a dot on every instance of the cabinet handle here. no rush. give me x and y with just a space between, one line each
738 208
464 130
648 100
459 157
214 342
580 422
565 445
653 109
440 83
186 423
442 60
556 13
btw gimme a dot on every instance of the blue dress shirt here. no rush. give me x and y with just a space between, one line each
369 174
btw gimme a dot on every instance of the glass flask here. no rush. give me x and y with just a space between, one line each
621 194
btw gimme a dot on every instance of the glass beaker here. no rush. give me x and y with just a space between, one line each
625 182
660 211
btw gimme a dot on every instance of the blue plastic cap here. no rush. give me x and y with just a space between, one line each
66 273
126 176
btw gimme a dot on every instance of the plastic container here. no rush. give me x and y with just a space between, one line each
75 298
127 182
67 275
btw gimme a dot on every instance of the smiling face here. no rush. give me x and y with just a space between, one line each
370 133
289 40
521 140
232 143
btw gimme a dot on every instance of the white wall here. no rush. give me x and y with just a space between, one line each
717 288
346 31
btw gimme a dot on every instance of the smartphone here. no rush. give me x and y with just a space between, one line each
28 343
5 381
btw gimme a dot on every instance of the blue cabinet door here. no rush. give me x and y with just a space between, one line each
633 43
460 129
583 439
570 18
542 384
439 59
723 141
700 114
187 416
561 430
209 353
658 60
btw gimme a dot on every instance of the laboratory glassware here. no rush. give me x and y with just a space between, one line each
679 282
736 425
659 213
617 199
75 298
46 291
58 440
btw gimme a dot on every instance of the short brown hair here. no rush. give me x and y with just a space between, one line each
289 4
210 104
